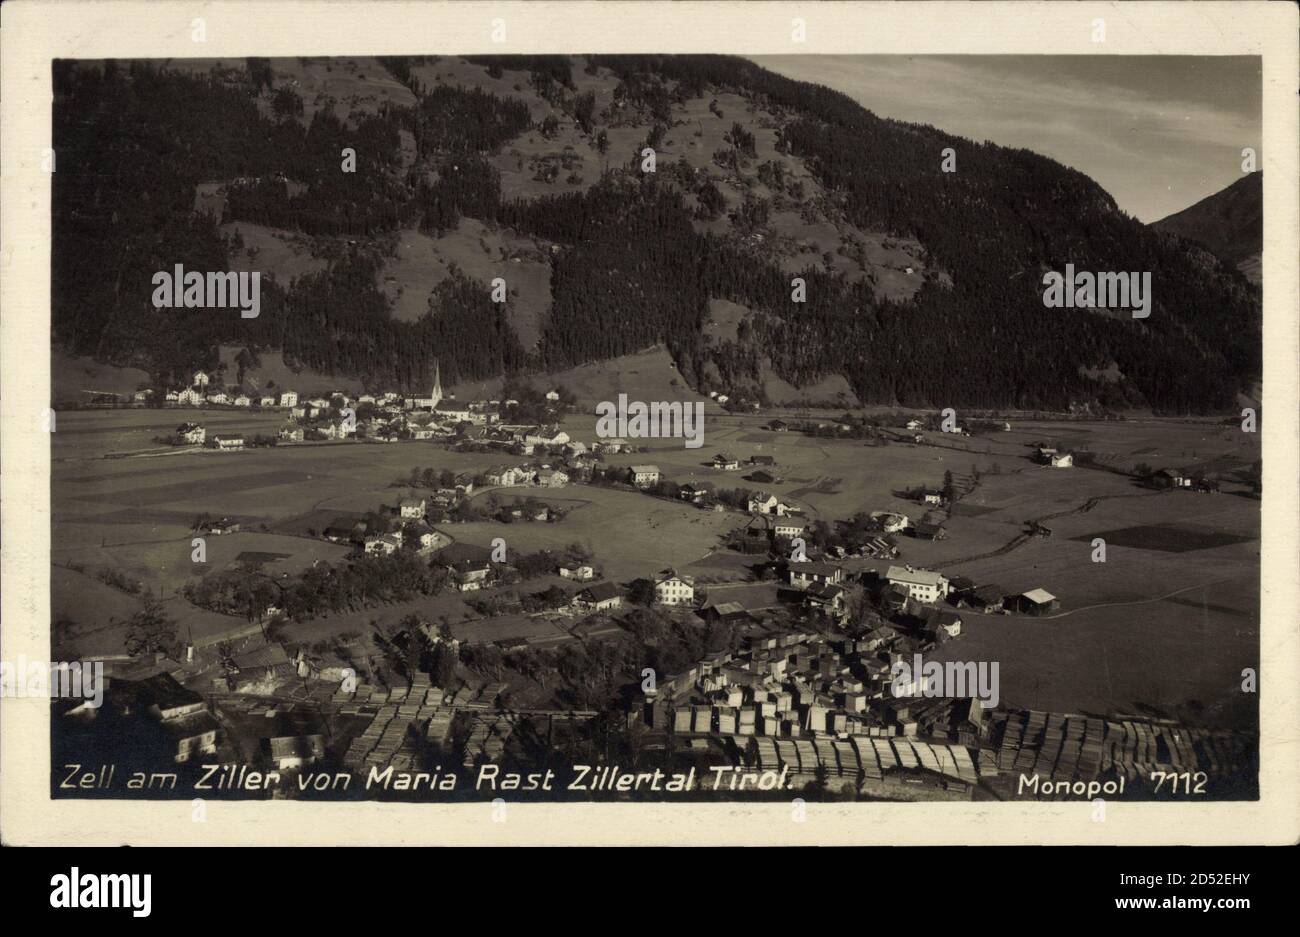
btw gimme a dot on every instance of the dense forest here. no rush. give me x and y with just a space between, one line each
134 140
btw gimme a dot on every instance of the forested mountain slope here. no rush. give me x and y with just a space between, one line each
1230 223
922 287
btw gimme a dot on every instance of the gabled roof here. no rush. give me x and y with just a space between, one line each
1039 596
602 591
728 608
919 577
814 568
671 573
990 593
297 746
825 591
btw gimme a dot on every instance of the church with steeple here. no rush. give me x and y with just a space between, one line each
435 396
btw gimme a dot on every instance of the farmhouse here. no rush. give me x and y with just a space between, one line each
504 475
243 400
424 535
182 714
778 426
552 478
581 572
223 526
763 502
470 575
267 400
1054 457
226 443
296 751
725 462
644 475
673 589
448 413
1171 478
384 544
598 597
787 528
763 460
192 735
190 398
932 497
826 598
890 522
344 530
1034 602
987 599
191 433
924 585
808 575
412 508
731 613
695 492
942 622
925 530
546 436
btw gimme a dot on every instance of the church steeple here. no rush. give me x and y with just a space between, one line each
437 384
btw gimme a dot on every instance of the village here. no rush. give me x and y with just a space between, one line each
815 615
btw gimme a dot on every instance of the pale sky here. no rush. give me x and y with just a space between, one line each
1158 133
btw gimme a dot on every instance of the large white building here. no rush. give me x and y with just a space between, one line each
924 585
674 589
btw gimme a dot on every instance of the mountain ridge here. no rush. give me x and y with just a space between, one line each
922 287
1229 223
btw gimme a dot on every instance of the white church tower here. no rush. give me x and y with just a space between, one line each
437 386
435 396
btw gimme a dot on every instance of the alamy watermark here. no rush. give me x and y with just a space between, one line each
952 679
1104 290
226 290
660 419
53 679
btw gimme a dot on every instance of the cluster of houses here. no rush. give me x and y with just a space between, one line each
815 706
406 522
928 587
386 418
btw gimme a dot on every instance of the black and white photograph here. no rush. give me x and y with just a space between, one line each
655 428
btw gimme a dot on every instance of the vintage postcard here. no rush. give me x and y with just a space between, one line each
649 423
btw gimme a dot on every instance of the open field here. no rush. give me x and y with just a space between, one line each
1180 658
631 534
1193 609
75 379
